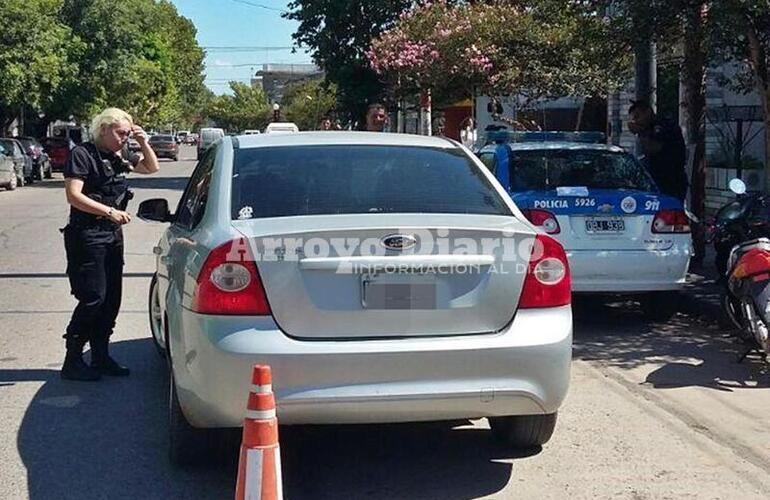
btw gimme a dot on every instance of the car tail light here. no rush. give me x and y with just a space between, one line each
229 283
548 282
544 220
671 221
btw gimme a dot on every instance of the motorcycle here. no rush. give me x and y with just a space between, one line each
743 219
746 301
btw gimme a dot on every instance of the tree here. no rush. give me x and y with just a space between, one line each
139 55
307 103
743 36
35 49
246 108
338 33
546 49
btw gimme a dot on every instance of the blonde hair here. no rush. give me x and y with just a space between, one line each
108 118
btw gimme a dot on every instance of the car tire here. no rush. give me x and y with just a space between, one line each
48 170
14 182
523 431
660 306
156 315
40 174
187 445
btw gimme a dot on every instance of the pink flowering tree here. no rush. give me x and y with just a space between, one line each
537 49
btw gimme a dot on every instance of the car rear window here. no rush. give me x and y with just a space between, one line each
548 169
356 179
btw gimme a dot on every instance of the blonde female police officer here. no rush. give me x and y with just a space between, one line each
97 193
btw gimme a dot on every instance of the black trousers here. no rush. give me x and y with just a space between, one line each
95 271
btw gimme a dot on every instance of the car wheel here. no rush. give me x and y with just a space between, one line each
660 306
48 170
187 444
40 174
523 431
156 315
13 183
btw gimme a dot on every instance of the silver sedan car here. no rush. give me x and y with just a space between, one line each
383 277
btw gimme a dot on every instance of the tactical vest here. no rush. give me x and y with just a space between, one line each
109 187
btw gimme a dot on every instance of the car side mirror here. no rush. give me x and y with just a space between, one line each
156 210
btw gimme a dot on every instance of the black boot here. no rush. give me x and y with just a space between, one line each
74 367
102 362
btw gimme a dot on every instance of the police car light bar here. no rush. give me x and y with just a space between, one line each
502 136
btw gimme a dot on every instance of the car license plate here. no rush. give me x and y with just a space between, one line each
398 291
605 225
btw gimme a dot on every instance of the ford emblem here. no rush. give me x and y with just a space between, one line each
398 241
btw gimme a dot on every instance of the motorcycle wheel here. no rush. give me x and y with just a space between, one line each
729 319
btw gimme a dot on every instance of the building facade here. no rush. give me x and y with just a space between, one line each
273 78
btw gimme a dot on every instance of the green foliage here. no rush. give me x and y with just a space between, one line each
338 33
35 55
246 108
535 49
140 55
307 103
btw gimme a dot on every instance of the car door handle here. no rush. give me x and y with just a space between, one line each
157 250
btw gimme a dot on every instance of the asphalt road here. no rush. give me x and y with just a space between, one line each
654 411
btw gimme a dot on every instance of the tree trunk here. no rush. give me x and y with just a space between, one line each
425 113
694 79
761 69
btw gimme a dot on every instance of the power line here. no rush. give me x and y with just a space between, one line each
260 6
245 48
244 65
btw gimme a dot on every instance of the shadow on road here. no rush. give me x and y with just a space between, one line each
108 440
135 181
690 352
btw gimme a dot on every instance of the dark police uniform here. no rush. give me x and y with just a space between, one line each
667 166
94 247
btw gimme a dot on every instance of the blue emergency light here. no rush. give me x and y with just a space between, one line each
504 136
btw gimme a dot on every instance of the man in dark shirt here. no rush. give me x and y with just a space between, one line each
376 117
664 149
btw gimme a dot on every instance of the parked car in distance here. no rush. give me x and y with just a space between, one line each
58 150
9 179
192 138
281 128
41 163
181 136
22 162
208 136
165 146
394 327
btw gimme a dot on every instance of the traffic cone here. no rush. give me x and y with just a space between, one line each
259 468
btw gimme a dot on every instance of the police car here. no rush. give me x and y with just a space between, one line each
620 233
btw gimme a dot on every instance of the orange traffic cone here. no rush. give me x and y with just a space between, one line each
259 469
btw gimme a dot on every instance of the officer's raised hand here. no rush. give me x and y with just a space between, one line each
149 163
